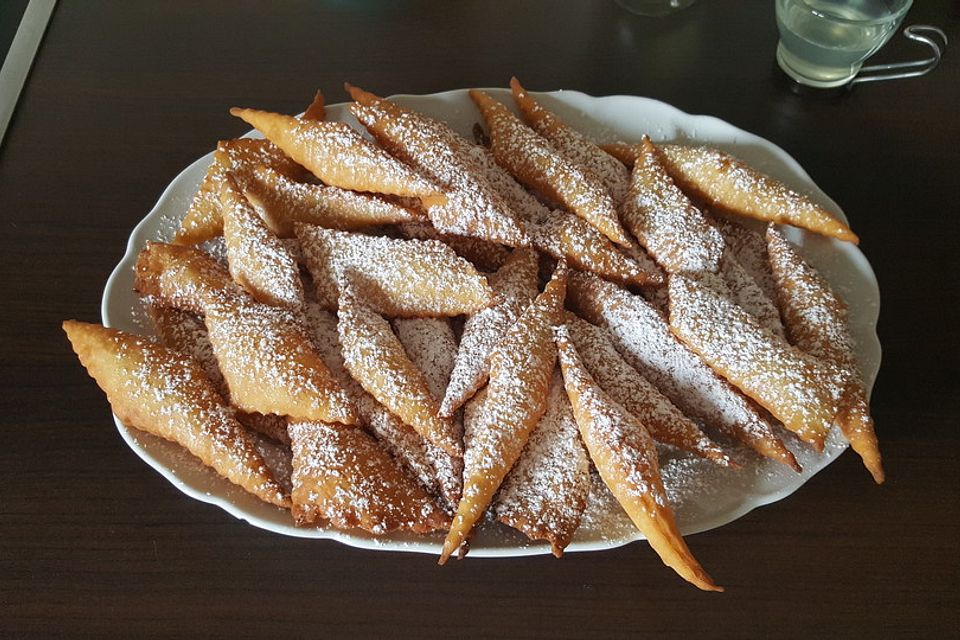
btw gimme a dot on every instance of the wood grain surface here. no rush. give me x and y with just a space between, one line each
123 95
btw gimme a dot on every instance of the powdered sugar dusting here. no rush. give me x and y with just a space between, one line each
664 220
406 278
665 422
515 287
545 493
472 208
645 341
533 161
797 389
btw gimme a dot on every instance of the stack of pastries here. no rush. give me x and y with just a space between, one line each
440 331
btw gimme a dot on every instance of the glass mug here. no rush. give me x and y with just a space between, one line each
823 43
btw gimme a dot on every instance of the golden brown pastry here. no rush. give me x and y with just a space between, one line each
185 332
167 394
439 473
745 291
202 221
485 255
376 359
573 145
339 156
664 220
545 493
405 278
520 373
626 458
750 250
563 235
514 286
817 322
341 475
800 391
282 202
258 260
473 207
730 185
662 419
264 352
533 161
643 337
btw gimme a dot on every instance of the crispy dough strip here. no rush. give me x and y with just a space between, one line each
339 156
533 161
665 422
643 337
626 458
202 221
574 146
258 260
185 332
545 493
167 394
520 373
817 322
485 255
731 185
515 287
800 391
281 202
563 235
376 359
264 352
342 475
664 220
472 208
398 278
437 471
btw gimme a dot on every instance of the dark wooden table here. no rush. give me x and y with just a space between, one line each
125 94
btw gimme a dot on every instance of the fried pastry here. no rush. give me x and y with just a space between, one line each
515 287
405 278
662 419
625 153
437 471
264 352
563 235
281 202
626 458
817 322
339 156
750 250
432 346
643 337
167 394
534 162
341 475
258 260
185 332
485 255
317 111
664 220
573 145
376 359
473 207
520 371
184 277
800 391
203 221
728 184
545 493
745 291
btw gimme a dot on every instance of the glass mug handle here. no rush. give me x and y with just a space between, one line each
922 33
